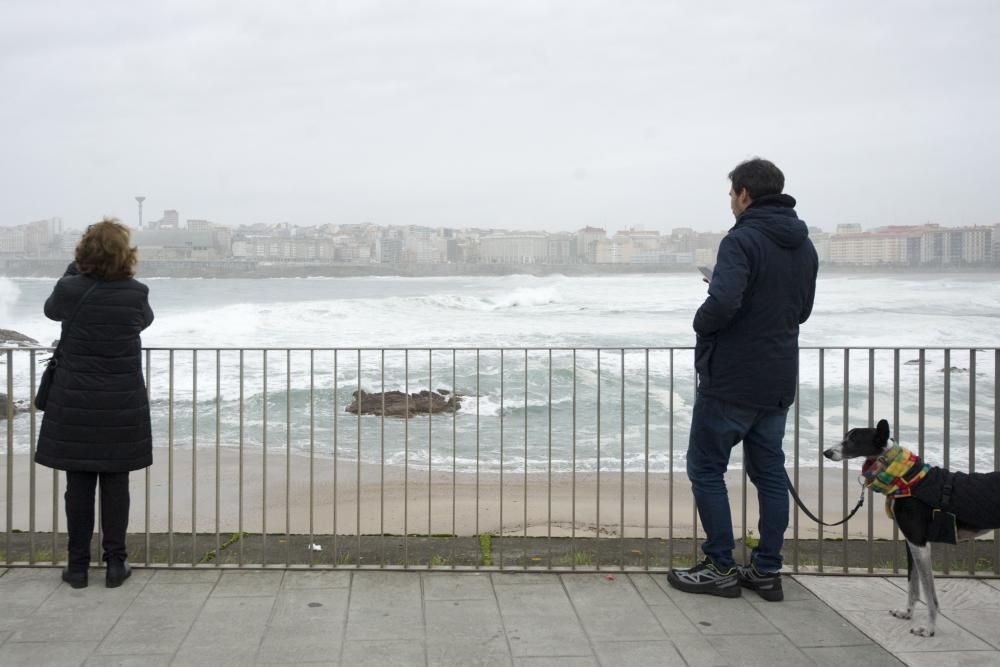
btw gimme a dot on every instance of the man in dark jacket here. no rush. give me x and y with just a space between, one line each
746 356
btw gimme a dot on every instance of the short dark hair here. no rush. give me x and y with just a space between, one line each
758 176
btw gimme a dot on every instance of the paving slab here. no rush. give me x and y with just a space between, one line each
540 620
613 654
697 651
457 586
465 632
841 656
856 593
894 633
143 660
307 581
649 588
811 623
382 653
79 615
611 609
520 578
561 661
951 658
305 625
722 616
983 623
48 653
226 631
249 583
185 576
158 619
385 606
759 650
968 622
961 593
23 591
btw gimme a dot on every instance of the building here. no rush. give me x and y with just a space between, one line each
960 245
586 240
869 249
388 250
914 245
514 249
175 244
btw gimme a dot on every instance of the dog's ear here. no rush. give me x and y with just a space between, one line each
882 431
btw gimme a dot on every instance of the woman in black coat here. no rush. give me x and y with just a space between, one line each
96 423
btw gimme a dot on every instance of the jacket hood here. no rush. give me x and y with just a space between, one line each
775 217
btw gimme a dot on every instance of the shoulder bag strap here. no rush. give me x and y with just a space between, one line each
69 323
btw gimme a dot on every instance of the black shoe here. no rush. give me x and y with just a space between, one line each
118 571
767 584
707 578
74 579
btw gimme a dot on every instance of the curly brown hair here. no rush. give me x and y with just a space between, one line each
104 250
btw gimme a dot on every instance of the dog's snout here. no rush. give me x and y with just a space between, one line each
834 453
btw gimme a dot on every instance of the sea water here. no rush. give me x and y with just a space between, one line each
579 372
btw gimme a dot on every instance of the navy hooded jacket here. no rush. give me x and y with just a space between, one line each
762 289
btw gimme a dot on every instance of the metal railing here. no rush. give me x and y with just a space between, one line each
556 458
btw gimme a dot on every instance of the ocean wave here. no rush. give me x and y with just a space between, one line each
9 294
518 298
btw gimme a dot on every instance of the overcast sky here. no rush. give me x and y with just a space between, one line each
525 115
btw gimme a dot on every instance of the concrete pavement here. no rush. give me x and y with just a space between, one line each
213 616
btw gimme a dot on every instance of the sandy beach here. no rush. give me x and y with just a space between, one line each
299 498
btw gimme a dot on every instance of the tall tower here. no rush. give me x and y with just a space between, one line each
140 200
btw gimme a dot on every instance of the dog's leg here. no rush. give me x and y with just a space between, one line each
924 571
913 579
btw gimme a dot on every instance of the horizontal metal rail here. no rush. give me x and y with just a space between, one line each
491 457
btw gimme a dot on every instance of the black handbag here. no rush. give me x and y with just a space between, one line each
48 375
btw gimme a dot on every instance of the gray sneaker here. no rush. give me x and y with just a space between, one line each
767 584
708 579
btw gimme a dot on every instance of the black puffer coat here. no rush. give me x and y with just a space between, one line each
97 416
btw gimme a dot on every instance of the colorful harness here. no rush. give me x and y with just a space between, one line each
894 474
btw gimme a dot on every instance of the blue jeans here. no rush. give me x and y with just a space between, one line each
716 427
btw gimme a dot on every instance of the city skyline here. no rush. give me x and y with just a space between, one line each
206 243
520 116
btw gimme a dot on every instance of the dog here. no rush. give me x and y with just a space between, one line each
929 504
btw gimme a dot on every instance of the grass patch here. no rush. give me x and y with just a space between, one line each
212 554
579 559
486 549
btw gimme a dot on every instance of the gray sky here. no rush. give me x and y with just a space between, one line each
519 114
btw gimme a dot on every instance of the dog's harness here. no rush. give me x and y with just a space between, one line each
895 472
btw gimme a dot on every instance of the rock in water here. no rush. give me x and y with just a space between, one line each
397 402
19 406
10 338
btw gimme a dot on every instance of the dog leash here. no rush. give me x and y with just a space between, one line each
798 501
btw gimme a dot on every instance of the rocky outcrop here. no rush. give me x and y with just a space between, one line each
396 403
19 406
10 338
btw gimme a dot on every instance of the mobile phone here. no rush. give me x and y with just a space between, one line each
707 272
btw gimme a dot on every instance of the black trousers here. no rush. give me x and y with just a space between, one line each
79 497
